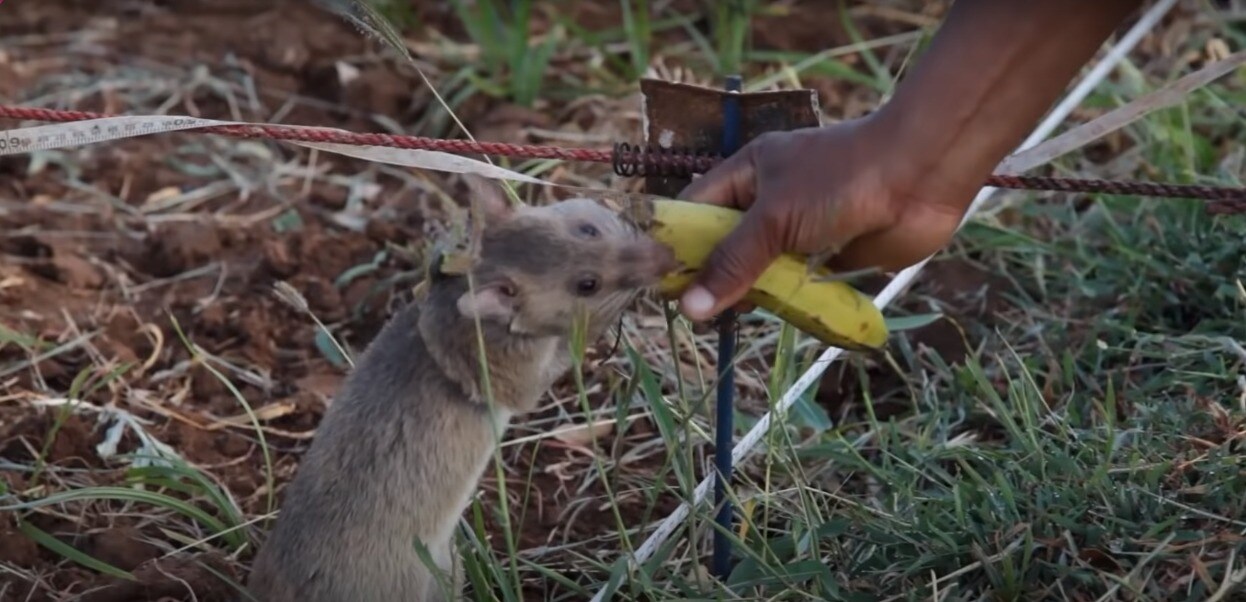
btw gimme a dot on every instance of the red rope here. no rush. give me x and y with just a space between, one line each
317 134
1224 199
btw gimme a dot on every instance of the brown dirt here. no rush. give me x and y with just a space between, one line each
130 282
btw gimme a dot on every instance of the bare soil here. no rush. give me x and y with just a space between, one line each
116 284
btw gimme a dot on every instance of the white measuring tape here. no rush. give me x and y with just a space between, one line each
91 131
63 135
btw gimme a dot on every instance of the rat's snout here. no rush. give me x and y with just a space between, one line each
660 259
643 262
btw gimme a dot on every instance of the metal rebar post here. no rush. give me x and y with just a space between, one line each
727 323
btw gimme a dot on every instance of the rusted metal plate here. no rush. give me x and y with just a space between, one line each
685 116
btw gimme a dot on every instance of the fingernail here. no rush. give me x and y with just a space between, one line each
697 303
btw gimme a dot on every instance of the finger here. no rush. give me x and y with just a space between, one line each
729 184
898 246
732 268
870 251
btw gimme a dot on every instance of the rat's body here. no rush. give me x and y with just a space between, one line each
399 452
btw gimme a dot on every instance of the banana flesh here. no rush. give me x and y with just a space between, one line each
831 311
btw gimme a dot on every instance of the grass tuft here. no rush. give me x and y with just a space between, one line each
1059 416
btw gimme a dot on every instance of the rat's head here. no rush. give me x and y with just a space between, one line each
543 268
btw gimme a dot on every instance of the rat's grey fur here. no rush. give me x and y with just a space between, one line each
399 452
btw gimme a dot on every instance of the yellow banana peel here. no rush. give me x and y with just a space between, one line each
833 312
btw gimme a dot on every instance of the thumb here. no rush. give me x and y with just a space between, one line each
732 268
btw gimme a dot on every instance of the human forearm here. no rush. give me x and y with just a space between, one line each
994 68
891 188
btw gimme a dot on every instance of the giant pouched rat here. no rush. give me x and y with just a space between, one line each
399 452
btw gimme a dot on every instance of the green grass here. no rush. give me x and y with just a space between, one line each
1087 448
1085 445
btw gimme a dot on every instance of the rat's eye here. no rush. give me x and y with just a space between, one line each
587 286
589 230
508 290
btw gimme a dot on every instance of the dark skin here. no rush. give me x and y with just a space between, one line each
888 190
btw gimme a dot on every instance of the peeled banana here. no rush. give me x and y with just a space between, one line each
831 311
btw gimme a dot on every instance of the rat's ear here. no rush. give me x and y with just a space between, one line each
488 198
494 301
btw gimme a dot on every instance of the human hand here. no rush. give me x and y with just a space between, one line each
889 189
850 191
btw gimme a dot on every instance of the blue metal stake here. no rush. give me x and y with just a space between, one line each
726 371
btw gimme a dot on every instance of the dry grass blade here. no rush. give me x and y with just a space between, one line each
368 19
1084 134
